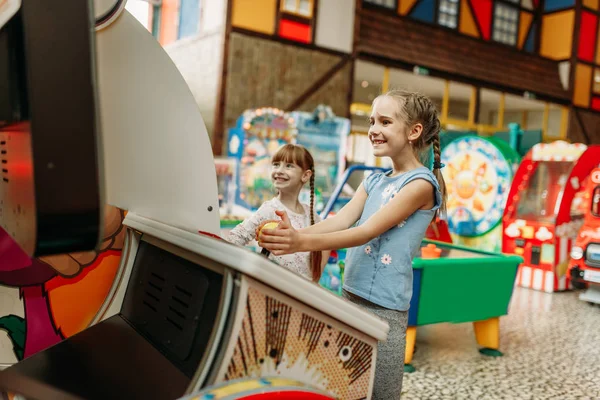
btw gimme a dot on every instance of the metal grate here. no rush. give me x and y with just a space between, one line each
173 303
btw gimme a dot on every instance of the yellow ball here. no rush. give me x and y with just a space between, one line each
270 225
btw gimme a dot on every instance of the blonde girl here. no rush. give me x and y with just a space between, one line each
384 223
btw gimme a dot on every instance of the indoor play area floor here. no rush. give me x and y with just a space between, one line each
551 346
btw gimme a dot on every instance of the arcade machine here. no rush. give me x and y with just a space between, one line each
187 310
544 211
325 136
478 172
484 280
258 134
584 266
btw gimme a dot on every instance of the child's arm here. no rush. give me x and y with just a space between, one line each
245 232
344 219
415 195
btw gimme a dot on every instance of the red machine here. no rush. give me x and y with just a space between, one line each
545 209
584 267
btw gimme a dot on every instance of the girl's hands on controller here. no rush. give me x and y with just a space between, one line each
282 240
260 226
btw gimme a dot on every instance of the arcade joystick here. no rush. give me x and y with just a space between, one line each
431 251
268 225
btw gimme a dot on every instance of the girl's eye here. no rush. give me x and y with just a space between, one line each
371 122
385 123
275 164
289 165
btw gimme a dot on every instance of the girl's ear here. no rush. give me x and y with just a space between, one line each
306 175
415 132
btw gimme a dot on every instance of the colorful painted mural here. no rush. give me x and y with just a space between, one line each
47 299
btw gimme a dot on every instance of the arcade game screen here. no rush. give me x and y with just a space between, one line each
541 199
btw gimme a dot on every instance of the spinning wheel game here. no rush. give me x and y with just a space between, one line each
478 174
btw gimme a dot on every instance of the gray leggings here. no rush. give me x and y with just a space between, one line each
390 354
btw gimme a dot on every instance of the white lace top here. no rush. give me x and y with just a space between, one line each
245 233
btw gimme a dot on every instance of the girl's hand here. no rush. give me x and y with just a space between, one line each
261 225
283 240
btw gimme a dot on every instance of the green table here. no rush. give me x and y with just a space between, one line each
462 285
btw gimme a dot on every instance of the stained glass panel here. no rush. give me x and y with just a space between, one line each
587 36
505 24
448 13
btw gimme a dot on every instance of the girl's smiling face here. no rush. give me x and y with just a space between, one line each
288 176
387 131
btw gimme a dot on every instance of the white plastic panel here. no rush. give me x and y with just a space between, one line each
260 268
158 158
335 25
8 8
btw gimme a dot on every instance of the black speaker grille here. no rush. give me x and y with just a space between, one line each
173 303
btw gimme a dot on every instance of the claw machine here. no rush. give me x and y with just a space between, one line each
544 211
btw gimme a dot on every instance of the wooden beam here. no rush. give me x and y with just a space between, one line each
545 121
501 111
524 119
564 122
445 101
218 132
581 126
473 100
318 84
385 82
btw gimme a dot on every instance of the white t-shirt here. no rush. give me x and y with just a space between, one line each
245 232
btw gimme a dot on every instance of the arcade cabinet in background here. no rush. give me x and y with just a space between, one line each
325 136
186 311
258 134
543 213
478 172
584 266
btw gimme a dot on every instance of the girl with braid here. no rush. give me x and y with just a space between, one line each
384 223
292 166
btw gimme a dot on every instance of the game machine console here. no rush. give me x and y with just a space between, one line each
478 172
584 266
187 310
258 134
545 210
325 136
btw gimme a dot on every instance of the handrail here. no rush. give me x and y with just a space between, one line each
338 189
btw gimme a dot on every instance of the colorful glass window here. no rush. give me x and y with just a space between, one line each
391 4
448 13
296 31
302 8
483 13
506 19
553 5
587 36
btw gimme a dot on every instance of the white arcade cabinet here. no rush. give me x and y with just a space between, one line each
187 310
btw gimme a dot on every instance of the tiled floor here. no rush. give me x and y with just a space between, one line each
551 345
